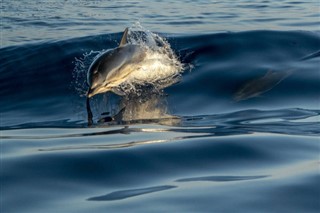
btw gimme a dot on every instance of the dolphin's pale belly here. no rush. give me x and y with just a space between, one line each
153 68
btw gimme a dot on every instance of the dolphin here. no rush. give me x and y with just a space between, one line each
111 68
261 85
265 83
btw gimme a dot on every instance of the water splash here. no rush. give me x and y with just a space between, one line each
81 66
160 68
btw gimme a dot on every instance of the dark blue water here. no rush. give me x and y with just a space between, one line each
243 131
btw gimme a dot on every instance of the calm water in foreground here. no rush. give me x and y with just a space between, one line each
240 131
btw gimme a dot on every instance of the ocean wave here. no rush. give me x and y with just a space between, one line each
226 72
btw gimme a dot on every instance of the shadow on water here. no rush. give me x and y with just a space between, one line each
221 178
119 195
124 194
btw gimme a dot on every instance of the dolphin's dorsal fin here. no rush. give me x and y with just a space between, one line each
124 37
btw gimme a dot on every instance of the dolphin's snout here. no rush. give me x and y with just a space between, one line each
96 90
91 92
94 82
89 95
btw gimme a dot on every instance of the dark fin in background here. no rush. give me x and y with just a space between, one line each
124 37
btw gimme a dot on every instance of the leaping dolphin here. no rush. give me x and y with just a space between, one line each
108 71
112 68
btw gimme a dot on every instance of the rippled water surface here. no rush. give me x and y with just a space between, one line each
24 21
238 133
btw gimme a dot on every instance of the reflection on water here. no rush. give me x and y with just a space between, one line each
143 132
146 108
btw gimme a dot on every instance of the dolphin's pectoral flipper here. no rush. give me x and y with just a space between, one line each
105 119
124 37
117 117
